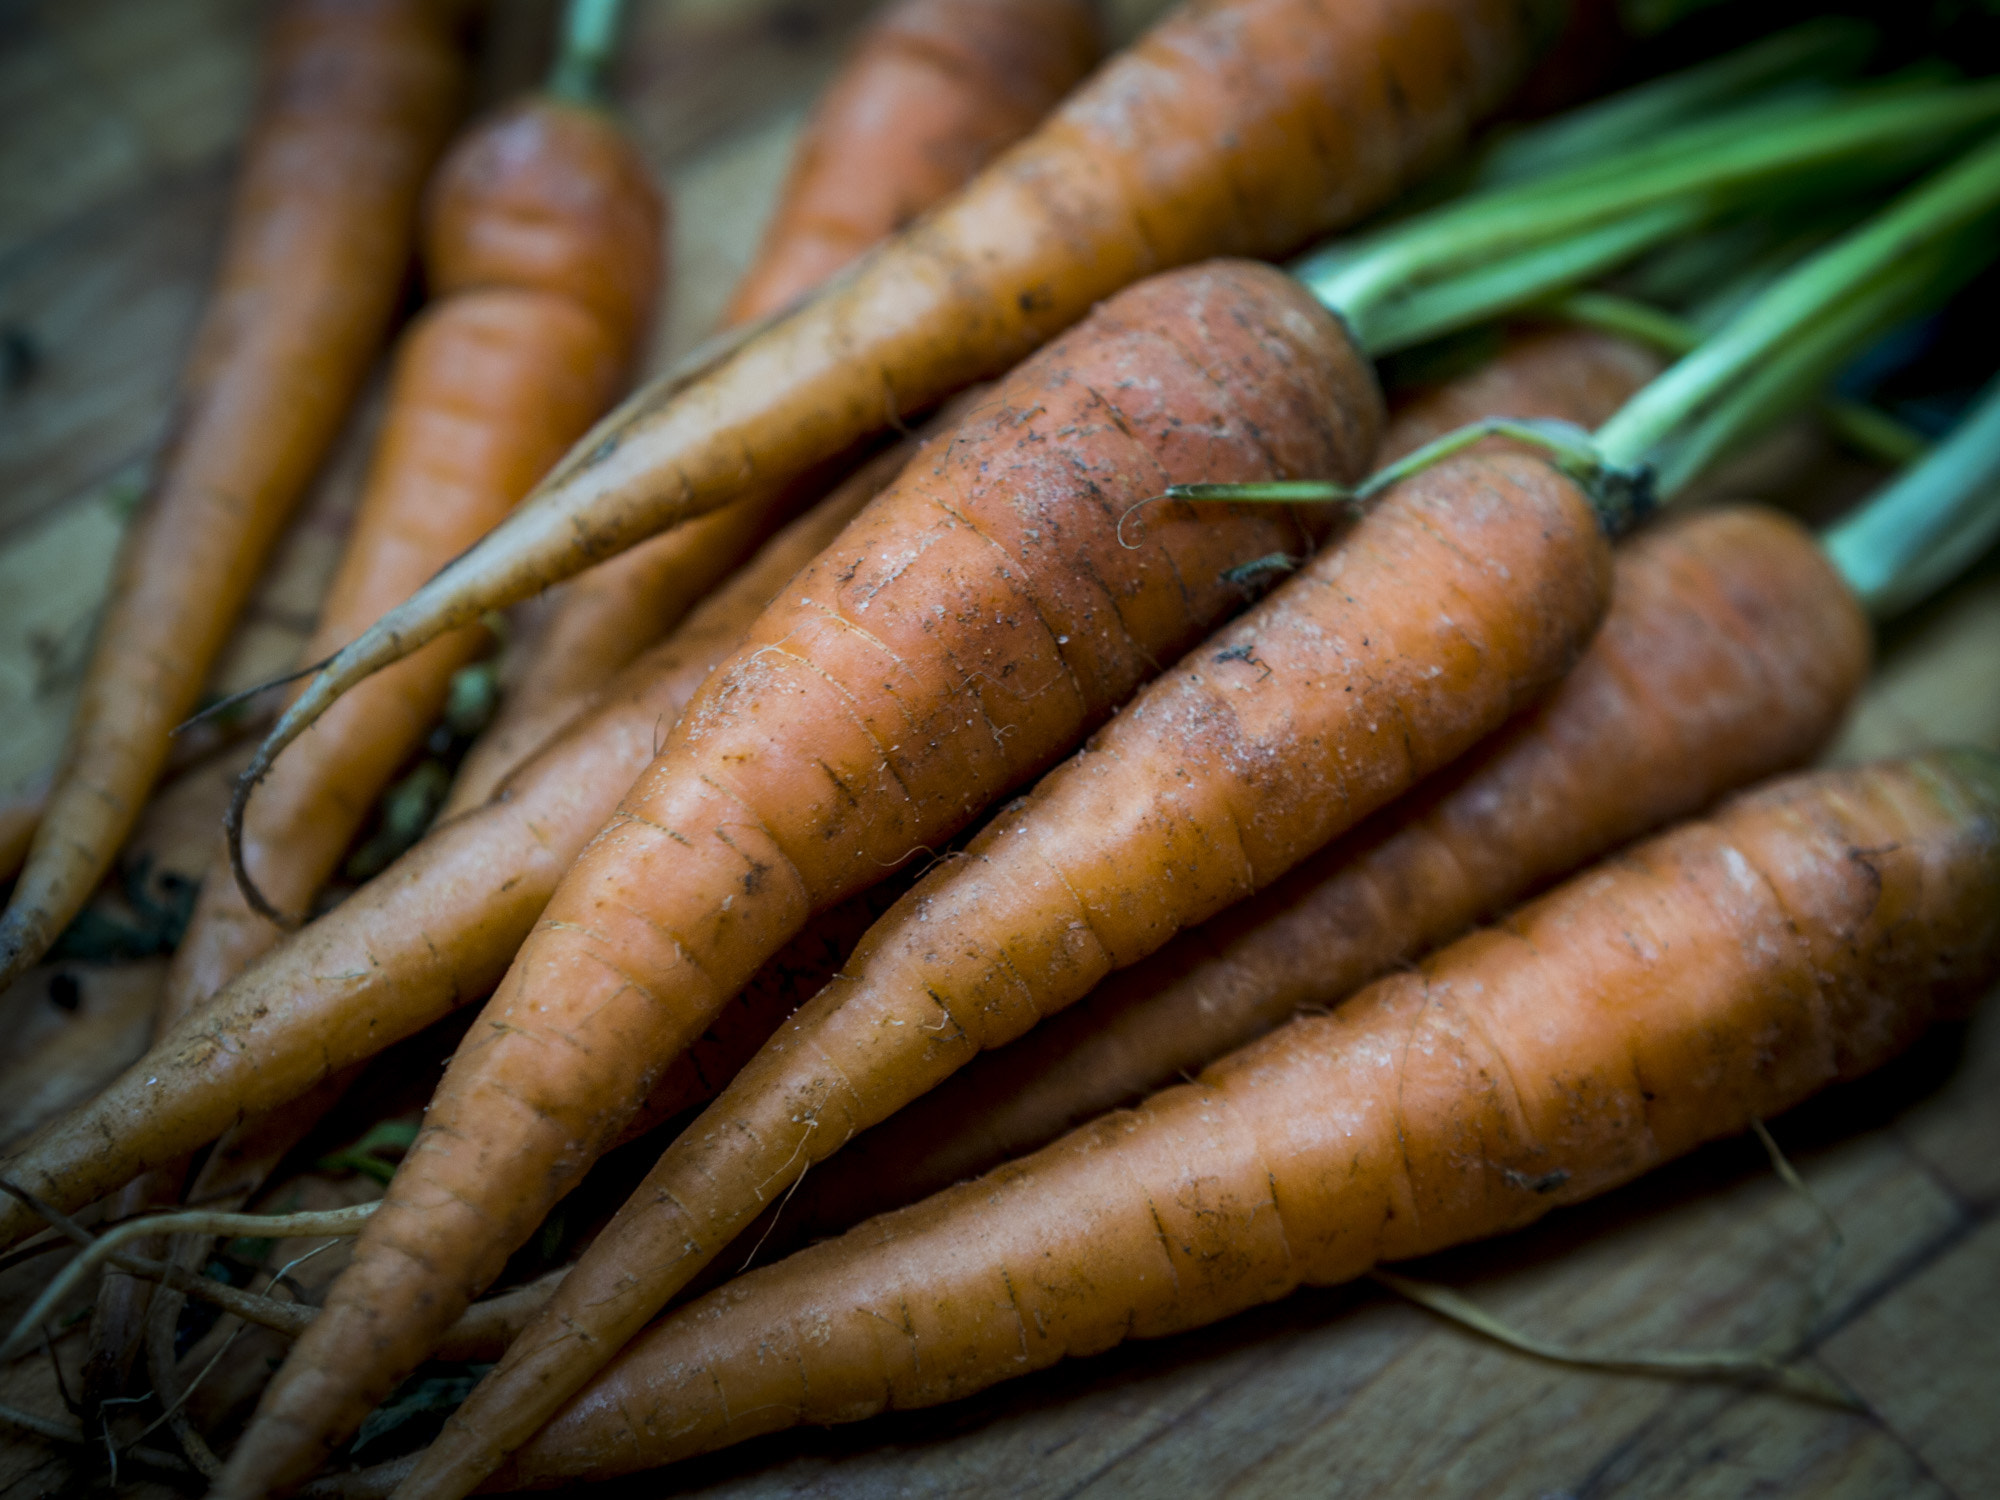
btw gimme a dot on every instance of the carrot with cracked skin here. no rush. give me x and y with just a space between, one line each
1730 653
934 91
1441 612
1241 127
1711 977
962 634
357 99
433 931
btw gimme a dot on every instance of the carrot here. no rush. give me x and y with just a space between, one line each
541 247
356 102
1730 652
934 91
1472 584
1242 127
1441 613
430 933
957 638
1804 934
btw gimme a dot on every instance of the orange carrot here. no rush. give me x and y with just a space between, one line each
1242 127
1730 653
357 99
1803 935
934 91
433 931
1463 594
957 638
515 358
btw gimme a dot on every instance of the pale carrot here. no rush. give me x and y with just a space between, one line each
357 99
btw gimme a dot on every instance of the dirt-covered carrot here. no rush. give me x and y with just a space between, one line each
1729 653
1413 281
433 931
975 621
1802 935
357 100
1731 647
1238 128
1469 585
1436 617
934 91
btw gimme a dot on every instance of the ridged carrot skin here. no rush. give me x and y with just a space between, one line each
1716 975
1242 127
1731 652
935 90
357 99
432 932
962 634
1458 598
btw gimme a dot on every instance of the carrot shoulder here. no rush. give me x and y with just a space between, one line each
934 91
1243 127
962 633
356 103
1802 935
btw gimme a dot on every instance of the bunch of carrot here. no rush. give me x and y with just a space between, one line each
1330 715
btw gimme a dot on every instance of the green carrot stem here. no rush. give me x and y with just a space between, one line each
1826 50
1866 429
1622 497
1929 525
1793 374
1522 279
1870 431
1629 318
1938 208
589 37
1711 164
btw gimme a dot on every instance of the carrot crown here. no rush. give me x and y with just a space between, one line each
1768 359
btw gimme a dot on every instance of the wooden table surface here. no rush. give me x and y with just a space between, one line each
117 146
